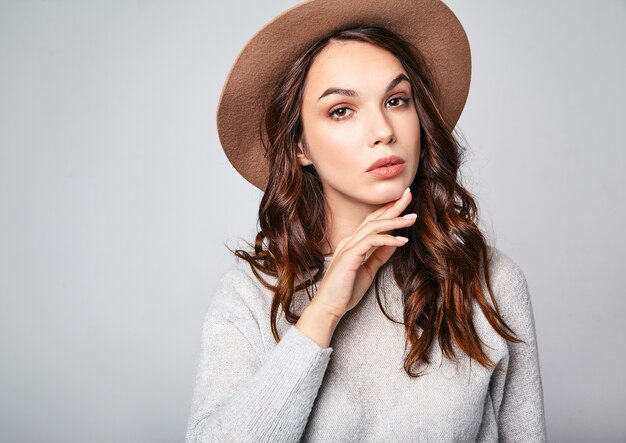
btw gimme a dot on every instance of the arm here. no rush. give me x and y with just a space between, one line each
521 410
238 397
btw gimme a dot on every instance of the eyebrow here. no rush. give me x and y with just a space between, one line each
352 93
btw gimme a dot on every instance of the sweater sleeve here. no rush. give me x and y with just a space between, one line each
521 410
240 397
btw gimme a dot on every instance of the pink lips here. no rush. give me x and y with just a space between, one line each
387 171
385 161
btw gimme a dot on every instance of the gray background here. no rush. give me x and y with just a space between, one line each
116 201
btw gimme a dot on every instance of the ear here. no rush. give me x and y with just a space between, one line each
303 160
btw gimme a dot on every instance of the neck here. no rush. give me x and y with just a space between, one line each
343 218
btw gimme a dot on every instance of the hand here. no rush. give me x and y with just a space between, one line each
358 258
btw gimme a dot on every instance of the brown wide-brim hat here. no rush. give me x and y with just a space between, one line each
429 25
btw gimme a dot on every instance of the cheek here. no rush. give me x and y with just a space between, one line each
411 130
332 145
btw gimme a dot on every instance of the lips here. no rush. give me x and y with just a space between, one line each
385 161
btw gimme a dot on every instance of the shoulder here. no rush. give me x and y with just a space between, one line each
508 282
504 271
238 293
240 278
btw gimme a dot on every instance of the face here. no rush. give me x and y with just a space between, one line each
357 108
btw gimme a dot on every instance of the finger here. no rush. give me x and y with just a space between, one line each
359 252
379 257
398 206
380 211
382 226
340 245
392 209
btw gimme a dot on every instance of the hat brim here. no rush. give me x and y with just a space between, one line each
427 24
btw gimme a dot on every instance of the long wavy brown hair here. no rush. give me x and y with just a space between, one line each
440 270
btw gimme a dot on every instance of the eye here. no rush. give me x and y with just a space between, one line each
340 112
397 101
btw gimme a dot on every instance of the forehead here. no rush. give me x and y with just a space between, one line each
352 64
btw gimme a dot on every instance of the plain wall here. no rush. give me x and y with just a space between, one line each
116 202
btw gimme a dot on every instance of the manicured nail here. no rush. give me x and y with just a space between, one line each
411 215
406 191
404 239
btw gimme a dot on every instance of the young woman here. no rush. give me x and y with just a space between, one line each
370 289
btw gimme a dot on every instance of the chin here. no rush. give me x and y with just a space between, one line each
383 193
393 188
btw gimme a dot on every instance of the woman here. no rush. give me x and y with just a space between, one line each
347 127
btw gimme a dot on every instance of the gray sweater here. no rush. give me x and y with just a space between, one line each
250 389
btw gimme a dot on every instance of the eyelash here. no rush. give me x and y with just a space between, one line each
332 111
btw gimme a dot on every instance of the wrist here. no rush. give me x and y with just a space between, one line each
323 315
317 324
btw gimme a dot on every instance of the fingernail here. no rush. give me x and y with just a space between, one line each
406 191
411 215
404 239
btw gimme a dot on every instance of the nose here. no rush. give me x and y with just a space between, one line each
381 130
